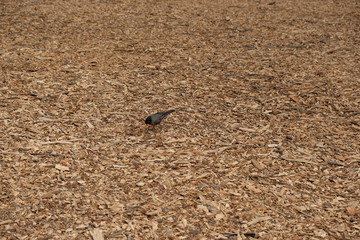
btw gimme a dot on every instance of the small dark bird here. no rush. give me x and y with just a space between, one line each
156 118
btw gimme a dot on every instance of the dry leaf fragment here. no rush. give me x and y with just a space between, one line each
62 167
259 219
89 124
294 98
353 211
257 164
97 234
64 162
219 216
203 208
184 222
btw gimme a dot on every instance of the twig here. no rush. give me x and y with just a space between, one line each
295 160
335 164
59 142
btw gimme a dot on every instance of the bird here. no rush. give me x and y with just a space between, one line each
156 118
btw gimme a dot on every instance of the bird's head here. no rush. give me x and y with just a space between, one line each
148 120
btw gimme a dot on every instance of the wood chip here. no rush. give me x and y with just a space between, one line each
97 234
265 137
259 219
61 167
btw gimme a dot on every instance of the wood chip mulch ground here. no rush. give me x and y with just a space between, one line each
264 143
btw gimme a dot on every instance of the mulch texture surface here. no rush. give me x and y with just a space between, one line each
264 143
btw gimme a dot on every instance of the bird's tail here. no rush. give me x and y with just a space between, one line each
168 112
164 114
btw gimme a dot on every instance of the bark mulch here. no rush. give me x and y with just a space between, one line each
264 143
